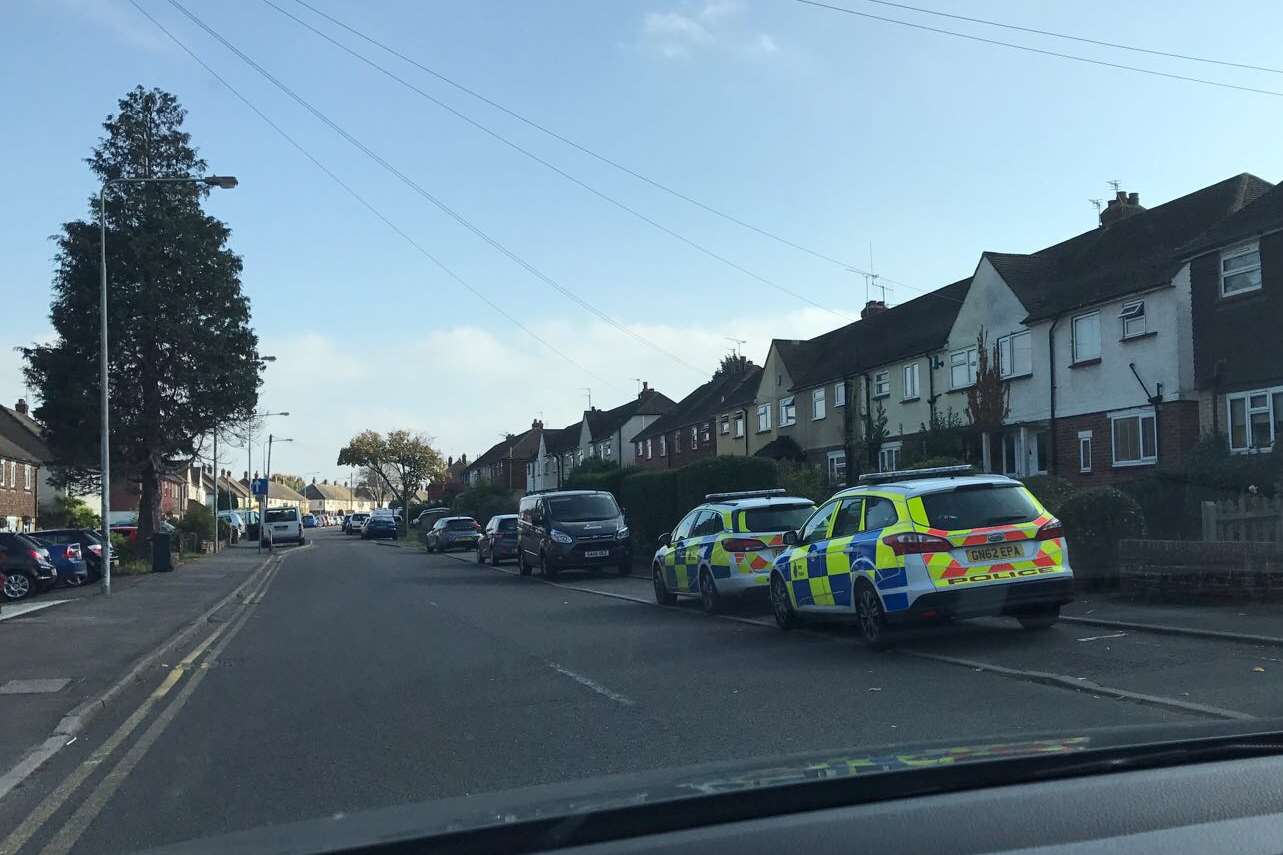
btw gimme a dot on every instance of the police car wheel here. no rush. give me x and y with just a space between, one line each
662 594
1041 618
870 617
785 617
708 594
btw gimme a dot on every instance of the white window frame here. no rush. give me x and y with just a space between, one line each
881 384
839 394
970 359
663 445
788 412
724 426
640 450
1140 414
677 441
1134 321
649 449
818 410
909 377
1238 252
739 425
1084 444
763 418
26 477
1075 354
836 460
889 452
1248 410
694 437
4 465
1007 355
13 475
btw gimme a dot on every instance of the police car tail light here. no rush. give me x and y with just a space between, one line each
742 544
915 543
1051 531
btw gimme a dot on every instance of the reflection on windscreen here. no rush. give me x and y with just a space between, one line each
461 524
781 518
973 507
507 525
599 506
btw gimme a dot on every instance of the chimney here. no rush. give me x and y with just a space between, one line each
22 407
1122 206
644 389
871 308
537 424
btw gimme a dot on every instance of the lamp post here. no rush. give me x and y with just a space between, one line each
226 182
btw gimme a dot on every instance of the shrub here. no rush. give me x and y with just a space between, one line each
935 463
650 502
600 476
799 479
1095 519
1051 490
67 512
484 501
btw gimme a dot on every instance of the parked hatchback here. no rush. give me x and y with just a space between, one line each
379 525
499 540
572 528
453 533
25 565
90 546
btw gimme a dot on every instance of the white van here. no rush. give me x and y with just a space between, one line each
283 525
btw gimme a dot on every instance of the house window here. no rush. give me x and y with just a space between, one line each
1240 269
606 450
1134 439
13 475
1014 358
677 442
3 467
837 467
707 432
839 394
817 403
663 445
763 417
1255 419
788 411
26 477
889 457
1133 318
962 368
881 384
640 450
739 424
649 449
694 437
724 425
910 381
1084 451
1086 335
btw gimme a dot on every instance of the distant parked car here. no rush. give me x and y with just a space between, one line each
428 517
283 525
67 559
309 521
90 543
379 525
453 533
354 523
499 540
233 520
25 565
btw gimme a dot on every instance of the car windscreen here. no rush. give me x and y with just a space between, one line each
582 508
507 525
461 524
776 517
281 515
979 505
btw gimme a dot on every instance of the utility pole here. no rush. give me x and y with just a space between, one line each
214 466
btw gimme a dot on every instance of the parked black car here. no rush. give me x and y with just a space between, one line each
26 569
452 533
572 529
499 540
379 525
90 546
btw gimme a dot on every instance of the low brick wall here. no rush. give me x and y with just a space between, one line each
1185 570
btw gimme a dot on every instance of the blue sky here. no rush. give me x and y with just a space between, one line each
833 131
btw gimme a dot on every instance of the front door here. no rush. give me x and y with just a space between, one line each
677 571
808 567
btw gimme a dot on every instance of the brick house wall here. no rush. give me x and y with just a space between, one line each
1178 431
17 502
680 449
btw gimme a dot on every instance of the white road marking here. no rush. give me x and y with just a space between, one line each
37 686
592 684
1099 637
14 610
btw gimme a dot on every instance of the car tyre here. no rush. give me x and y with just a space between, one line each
708 595
663 596
1039 619
870 617
18 585
481 559
75 580
624 569
546 567
781 605
523 567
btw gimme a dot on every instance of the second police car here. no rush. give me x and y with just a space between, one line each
725 547
924 545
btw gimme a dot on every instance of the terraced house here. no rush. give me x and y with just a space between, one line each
685 433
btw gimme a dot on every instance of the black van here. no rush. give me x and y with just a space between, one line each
572 528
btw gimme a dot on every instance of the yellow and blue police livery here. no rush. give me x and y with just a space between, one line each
726 546
924 545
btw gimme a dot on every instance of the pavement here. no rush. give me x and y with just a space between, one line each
353 675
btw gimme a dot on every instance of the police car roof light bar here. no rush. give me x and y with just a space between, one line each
746 494
917 474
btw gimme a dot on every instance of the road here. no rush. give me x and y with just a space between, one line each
362 675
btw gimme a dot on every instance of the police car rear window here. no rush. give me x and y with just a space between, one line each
979 505
776 517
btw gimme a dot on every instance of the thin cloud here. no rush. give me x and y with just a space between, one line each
712 26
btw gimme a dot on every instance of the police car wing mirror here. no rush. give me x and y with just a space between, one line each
791 538
664 539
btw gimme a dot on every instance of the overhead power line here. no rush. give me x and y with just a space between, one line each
1042 51
440 205
361 199
558 170
1083 39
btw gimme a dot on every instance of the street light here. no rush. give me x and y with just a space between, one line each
226 182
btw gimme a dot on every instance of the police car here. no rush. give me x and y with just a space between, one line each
921 545
725 547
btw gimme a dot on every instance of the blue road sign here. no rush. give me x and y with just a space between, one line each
258 486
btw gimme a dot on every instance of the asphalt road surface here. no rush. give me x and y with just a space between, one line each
363 675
